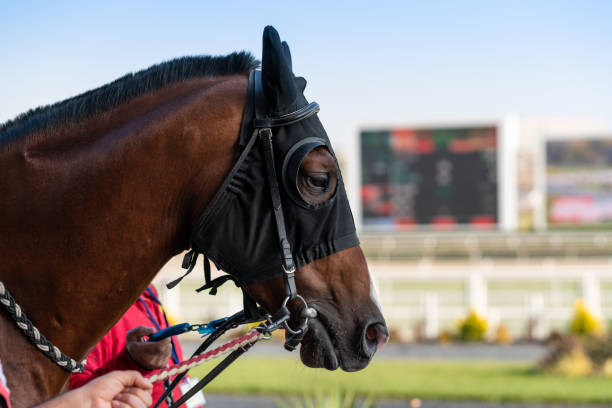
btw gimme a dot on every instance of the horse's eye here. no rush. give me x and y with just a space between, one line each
318 181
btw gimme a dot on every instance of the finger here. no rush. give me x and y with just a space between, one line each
143 395
141 383
119 404
138 333
164 351
132 379
163 341
132 398
163 345
153 347
130 404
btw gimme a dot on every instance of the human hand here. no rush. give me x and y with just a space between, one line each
149 354
117 389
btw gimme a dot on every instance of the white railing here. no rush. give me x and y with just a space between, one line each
530 298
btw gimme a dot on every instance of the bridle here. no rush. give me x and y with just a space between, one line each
263 126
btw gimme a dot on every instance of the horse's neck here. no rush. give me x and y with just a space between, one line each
94 221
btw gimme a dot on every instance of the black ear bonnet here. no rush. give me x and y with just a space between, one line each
237 231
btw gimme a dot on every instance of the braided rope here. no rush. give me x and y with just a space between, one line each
32 333
251 337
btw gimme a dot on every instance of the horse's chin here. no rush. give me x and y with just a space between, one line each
320 348
317 349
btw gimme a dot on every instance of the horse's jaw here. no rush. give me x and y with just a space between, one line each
324 346
317 349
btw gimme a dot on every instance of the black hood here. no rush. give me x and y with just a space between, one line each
237 231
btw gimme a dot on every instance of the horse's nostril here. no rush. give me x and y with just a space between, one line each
371 332
376 335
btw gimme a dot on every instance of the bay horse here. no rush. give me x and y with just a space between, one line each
100 190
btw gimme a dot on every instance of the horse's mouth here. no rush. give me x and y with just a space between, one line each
317 348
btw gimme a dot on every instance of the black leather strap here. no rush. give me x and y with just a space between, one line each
233 321
286 255
288 119
189 262
212 374
265 124
214 284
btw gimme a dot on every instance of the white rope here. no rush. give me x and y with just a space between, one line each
32 333
199 360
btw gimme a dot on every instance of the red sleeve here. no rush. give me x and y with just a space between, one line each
110 353
5 395
96 367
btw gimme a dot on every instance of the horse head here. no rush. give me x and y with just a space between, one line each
286 165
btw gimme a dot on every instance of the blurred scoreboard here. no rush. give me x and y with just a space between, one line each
579 182
443 178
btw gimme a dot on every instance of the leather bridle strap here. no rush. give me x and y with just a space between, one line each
264 124
212 374
288 119
286 256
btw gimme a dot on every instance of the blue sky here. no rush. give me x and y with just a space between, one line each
366 62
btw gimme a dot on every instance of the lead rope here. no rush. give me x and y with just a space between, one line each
32 333
251 337
227 324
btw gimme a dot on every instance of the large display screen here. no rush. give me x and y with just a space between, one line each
443 178
579 182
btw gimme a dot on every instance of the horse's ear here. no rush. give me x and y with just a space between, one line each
300 82
287 54
277 78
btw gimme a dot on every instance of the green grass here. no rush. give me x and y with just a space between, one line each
387 378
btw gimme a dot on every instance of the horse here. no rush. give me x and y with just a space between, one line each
99 191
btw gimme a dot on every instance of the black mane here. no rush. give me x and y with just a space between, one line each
124 89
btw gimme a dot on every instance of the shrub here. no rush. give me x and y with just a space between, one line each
599 350
578 355
472 328
445 337
574 364
566 356
502 335
584 323
607 368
